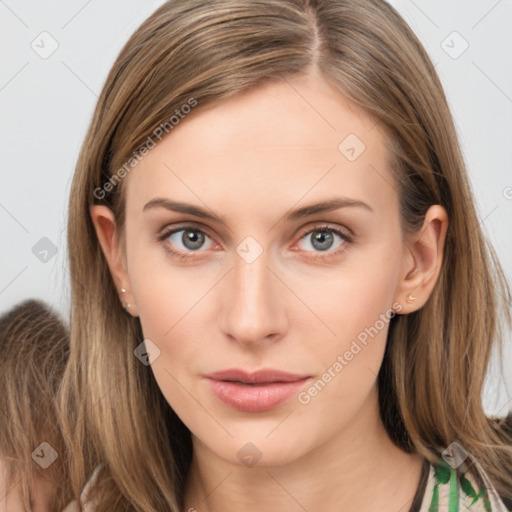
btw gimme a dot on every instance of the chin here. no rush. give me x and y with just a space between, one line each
255 447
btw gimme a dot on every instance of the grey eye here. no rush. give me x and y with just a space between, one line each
323 239
190 239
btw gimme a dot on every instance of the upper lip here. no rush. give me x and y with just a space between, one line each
264 375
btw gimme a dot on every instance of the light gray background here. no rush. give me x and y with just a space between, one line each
46 105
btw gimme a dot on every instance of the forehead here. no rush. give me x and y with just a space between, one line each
283 141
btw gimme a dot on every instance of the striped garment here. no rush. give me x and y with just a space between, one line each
451 490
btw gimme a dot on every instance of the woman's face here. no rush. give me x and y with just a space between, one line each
268 286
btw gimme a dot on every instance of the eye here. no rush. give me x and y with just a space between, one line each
187 239
323 238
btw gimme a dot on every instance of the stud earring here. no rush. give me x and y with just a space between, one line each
410 299
124 304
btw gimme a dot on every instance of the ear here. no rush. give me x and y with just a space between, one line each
105 226
423 257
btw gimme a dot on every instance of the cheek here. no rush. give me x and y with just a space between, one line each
170 308
347 302
355 309
165 293
172 314
348 363
176 311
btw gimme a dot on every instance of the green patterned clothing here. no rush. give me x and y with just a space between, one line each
445 489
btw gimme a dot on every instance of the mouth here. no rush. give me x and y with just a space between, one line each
254 397
263 376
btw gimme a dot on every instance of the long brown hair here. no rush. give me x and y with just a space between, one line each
34 345
436 359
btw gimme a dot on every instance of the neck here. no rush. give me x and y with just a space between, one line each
359 468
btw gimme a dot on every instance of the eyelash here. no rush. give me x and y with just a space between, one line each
320 256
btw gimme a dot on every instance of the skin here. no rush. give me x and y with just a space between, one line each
251 159
42 493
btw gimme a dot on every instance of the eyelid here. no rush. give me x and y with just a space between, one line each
318 226
168 230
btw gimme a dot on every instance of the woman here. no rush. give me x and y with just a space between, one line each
281 295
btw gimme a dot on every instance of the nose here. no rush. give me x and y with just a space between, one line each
254 311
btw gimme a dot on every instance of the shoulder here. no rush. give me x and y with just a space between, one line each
88 506
451 489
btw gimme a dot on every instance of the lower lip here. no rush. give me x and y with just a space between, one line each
257 398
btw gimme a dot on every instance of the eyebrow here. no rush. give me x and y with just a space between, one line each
300 213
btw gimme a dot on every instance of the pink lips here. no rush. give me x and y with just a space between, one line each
257 391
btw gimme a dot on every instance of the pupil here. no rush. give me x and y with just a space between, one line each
192 239
322 237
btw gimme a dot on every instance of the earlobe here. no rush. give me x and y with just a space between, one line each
104 223
423 261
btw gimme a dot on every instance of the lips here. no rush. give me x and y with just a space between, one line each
254 391
263 376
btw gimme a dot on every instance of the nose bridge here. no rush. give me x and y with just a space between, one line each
252 281
253 312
